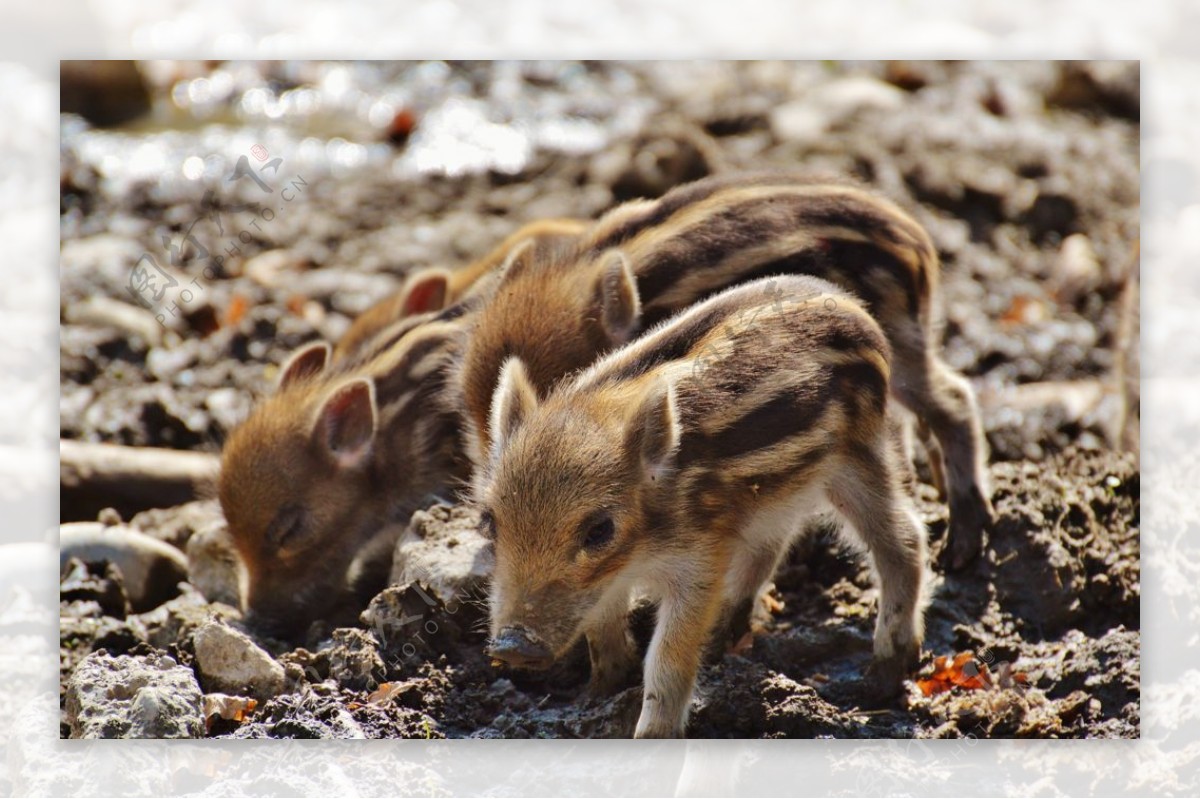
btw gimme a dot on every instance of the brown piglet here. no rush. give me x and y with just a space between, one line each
646 260
318 482
681 467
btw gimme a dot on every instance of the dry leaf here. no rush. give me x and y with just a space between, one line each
230 708
295 304
963 672
1025 311
236 310
386 692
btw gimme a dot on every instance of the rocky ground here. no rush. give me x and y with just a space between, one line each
1026 175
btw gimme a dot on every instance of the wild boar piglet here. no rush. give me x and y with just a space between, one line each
648 259
319 480
682 466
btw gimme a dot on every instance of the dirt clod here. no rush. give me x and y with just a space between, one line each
148 696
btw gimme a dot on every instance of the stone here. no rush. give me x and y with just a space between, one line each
174 623
102 586
229 662
269 268
151 569
228 406
850 94
443 550
175 525
1076 270
411 624
142 696
798 121
213 564
808 118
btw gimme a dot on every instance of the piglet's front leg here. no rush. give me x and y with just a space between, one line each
686 617
613 654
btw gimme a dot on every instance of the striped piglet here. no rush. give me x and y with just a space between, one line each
681 466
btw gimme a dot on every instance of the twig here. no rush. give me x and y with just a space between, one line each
130 479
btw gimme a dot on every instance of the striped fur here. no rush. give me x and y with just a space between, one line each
294 464
556 313
682 465
315 483
436 289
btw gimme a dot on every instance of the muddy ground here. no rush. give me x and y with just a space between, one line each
1025 174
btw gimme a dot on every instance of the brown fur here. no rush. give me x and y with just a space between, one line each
554 313
699 447
283 468
345 454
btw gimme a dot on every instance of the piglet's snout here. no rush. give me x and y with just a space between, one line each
520 648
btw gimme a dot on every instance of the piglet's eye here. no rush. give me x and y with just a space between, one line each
487 525
598 531
288 527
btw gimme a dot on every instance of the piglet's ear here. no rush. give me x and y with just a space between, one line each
425 291
617 295
519 259
346 425
513 401
306 362
653 434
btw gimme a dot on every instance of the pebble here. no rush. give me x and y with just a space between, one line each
228 406
1077 269
266 269
229 662
213 564
808 118
443 550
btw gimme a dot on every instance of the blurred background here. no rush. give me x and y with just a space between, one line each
269 202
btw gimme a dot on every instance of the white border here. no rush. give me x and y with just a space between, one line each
1156 31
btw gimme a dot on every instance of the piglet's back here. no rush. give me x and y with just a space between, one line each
767 376
770 337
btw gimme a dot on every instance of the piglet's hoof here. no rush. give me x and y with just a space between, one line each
883 683
964 540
